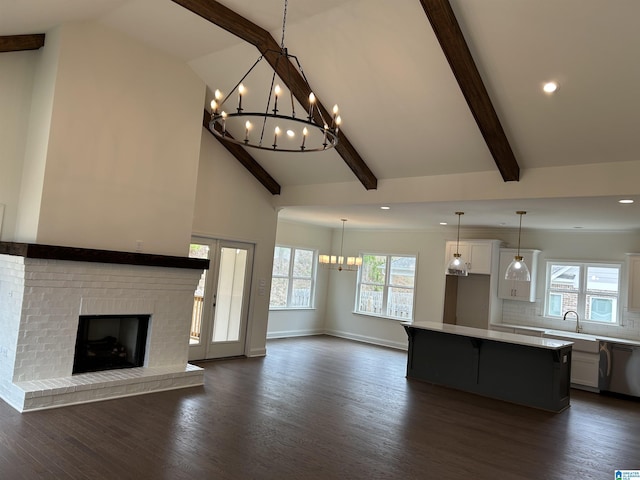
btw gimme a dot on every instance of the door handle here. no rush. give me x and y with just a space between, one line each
214 300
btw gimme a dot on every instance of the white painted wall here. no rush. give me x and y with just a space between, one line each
16 83
123 145
429 248
289 323
231 204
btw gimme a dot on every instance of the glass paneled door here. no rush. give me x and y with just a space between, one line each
221 301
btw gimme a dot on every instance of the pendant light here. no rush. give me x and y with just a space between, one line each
337 262
457 266
517 269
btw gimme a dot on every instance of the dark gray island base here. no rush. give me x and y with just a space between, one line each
526 370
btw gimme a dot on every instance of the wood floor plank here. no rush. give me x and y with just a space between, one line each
319 408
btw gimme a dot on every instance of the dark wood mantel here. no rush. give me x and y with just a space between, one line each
55 252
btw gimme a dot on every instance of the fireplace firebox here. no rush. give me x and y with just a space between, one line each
108 342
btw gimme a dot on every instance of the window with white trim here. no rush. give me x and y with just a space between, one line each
386 286
293 278
591 289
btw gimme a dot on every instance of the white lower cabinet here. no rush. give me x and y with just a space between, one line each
584 368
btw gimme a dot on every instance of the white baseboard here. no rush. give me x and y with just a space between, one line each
366 339
340 334
294 333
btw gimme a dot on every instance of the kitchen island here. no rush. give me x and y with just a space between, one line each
521 369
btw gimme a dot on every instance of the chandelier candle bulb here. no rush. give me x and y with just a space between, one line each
224 122
276 94
275 137
312 101
338 122
305 132
241 91
214 107
335 114
247 127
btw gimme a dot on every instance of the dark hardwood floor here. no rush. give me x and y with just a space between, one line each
320 408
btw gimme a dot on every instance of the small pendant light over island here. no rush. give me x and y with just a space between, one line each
517 269
457 266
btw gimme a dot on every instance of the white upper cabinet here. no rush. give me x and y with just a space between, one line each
477 254
513 289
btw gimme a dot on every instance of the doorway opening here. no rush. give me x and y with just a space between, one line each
221 300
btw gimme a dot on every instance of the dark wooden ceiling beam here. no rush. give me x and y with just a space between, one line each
18 43
245 159
455 48
230 21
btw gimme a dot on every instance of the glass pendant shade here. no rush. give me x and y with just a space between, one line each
457 266
518 270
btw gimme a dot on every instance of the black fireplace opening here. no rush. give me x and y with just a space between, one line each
107 342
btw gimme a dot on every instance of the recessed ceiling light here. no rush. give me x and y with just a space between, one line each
550 87
385 207
443 223
625 200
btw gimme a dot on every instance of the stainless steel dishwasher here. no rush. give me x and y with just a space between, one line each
619 370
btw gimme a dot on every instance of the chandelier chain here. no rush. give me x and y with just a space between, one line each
284 21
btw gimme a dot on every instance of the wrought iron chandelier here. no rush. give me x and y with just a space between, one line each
272 129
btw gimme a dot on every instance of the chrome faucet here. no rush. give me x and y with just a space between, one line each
578 327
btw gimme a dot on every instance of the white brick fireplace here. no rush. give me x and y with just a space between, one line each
43 298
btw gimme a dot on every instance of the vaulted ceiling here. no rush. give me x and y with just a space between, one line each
427 88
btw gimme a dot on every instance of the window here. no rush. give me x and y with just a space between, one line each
386 286
591 289
293 278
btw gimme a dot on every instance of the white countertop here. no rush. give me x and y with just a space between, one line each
569 334
514 338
